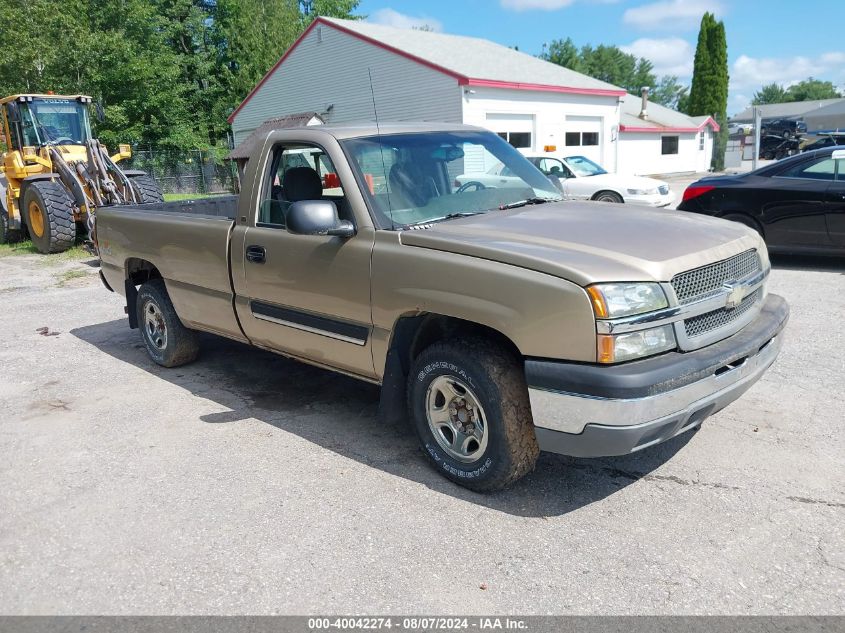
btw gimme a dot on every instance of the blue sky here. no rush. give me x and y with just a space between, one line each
768 40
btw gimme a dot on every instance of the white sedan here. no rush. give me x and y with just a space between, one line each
579 178
582 179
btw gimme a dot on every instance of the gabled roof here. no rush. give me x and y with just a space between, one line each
246 147
660 118
471 61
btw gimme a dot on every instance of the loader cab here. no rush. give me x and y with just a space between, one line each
38 120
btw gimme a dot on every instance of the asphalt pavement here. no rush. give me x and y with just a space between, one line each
245 483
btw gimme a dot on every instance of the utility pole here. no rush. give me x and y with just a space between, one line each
758 120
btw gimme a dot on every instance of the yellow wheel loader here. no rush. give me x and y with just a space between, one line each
54 176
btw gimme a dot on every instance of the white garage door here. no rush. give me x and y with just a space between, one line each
583 135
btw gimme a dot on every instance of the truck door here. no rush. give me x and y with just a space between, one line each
304 295
836 202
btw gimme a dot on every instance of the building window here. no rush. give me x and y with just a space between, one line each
517 139
701 140
669 145
577 139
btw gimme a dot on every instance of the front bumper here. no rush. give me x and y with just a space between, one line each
594 411
656 200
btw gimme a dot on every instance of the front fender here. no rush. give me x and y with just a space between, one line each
543 315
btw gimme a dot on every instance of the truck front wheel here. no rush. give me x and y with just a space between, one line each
169 343
469 404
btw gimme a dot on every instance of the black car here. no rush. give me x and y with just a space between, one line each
796 204
827 140
785 128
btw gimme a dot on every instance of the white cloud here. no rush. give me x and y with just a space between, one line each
389 17
670 56
750 73
671 14
543 5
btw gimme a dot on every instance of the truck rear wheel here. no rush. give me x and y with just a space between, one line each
146 186
47 211
169 343
469 404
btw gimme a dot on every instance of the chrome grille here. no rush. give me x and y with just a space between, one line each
663 189
703 323
698 283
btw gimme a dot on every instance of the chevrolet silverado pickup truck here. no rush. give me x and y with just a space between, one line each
499 322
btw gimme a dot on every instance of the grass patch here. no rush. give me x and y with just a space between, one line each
19 248
70 275
75 253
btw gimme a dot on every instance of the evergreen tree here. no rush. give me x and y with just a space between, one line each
709 90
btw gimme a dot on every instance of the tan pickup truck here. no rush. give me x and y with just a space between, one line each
500 321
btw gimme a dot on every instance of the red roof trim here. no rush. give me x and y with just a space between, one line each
511 85
462 80
708 121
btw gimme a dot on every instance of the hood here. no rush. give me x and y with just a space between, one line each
590 242
627 182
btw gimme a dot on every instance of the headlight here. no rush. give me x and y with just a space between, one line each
622 347
611 301
642 192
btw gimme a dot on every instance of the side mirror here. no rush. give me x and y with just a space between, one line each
317 217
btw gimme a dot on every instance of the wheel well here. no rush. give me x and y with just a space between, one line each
751 222
598 193
411 335
139 271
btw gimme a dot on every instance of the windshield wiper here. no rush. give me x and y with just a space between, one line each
527 201
450 216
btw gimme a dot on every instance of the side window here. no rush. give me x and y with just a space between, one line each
554 167
298 172
668 145
824 169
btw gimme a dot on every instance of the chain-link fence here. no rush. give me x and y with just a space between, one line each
186 171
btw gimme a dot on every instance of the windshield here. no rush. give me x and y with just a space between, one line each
425 177
583 166
59 121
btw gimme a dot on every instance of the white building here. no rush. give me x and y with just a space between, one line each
349 71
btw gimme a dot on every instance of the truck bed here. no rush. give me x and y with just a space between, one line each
214 206
188 243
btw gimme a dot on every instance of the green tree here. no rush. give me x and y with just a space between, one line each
563 53
811 90
709 91
770 93
669 92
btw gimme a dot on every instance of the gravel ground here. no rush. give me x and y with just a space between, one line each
249 484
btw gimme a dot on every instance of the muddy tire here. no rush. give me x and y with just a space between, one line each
169 343
469 404
47 211
147 188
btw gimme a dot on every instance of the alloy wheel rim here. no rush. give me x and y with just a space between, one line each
154 325
456 419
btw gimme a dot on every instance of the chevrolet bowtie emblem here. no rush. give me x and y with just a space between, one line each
736 293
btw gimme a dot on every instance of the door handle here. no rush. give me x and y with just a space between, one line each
256 254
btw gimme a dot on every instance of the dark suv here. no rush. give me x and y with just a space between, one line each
786 128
